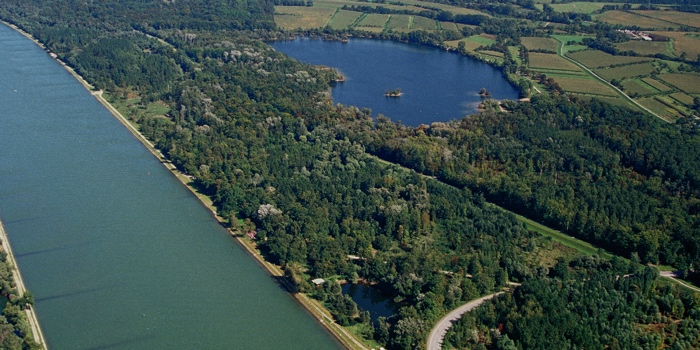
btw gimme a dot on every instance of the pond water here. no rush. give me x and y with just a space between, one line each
437 85
371 299
118 254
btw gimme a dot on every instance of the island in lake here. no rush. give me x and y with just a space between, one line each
393 93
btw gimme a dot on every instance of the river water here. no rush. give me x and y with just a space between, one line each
436 85
117 252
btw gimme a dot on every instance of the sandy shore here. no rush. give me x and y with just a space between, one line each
324 317
31 316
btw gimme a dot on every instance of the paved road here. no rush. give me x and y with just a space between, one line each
438 332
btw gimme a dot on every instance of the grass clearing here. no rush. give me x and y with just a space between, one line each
399 22
491 53
629 19
683 98
579 7
344 18
660 108
643 47
688 83
585 86
449 26
657 84
544 44
599 59
638 87
481 39
425 23
628 71
685 18
374 20
684 42
551 61
293 17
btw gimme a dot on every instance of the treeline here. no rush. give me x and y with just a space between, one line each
582 305
15 332
606 174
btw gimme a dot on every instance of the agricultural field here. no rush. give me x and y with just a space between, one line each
657 84
449 26
399 22
374 20
453 9
688 83
683 98
627 71
646 48
684 42
638 87
599 59
628 19
540 44
495 54
580 7
684 18
550 61
293 17
343 19
424 23
585 86
660 108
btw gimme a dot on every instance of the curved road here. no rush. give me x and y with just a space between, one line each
438 332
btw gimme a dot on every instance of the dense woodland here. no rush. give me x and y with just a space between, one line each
15 333
260 135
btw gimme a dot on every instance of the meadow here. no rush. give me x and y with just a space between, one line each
344 19
585 85
688 83
627 71
645 48
600 59
638 87
540 44
634 20
684 42
550 61
684 18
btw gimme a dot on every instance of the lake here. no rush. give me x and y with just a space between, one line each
437 85
117 252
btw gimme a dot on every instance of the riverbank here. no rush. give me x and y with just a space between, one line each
319 312
17 277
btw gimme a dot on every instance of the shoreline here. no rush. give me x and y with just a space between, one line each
322 316
17 277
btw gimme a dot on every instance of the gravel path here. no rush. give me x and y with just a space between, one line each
438 332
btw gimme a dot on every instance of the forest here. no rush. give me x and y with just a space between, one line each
320 182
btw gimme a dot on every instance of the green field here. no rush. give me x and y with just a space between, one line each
637 86
585 86
424 23
374 20
399 22
660 108
685 18
449 26
599 59
293 17
344 18
657 84
627 71
543 44
643 47
684 42
683 98
688 83
579 7
628 19
551 61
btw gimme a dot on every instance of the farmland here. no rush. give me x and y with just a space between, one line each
683 18
688 83
599 59
626 71
540 44
645 48
662 84
550 61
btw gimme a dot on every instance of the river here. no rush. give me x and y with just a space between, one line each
117 252
437 85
